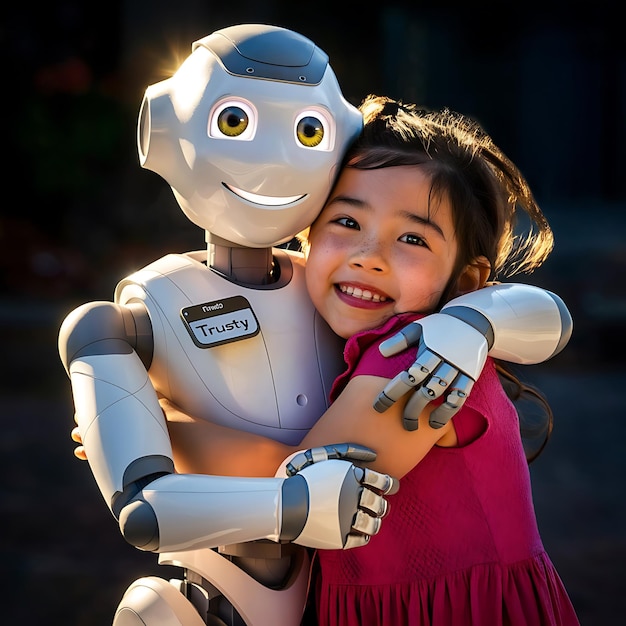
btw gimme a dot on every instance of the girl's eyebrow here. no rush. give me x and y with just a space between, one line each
408 215
347 200
425 221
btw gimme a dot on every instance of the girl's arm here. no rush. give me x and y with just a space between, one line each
352 418
202 447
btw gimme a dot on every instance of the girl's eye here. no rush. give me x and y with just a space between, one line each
348 222
414 240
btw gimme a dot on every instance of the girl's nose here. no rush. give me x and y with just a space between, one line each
369 258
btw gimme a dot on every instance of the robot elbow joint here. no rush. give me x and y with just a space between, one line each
139 525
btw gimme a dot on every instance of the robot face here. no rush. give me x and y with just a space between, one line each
249 133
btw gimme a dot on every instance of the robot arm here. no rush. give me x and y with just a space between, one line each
178 512
106 348
512 322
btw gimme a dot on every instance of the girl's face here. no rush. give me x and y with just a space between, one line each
379 247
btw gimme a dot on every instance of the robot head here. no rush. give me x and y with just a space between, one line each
249 133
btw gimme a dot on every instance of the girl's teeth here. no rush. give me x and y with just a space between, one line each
357 292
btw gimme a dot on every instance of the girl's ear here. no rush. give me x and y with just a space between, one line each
474 276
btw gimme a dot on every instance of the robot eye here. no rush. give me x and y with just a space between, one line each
310 131
313 130
232 119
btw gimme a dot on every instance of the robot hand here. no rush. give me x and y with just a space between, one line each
434 373
513 322
360 495
350 451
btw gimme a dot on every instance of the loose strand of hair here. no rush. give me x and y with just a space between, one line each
517 390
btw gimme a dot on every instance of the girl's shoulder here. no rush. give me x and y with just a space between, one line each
362 356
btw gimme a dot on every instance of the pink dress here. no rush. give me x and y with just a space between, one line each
460 545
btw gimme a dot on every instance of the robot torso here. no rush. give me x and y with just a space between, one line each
256 359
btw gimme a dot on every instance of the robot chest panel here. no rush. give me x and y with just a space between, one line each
258 360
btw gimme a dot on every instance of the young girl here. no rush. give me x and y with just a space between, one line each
423 210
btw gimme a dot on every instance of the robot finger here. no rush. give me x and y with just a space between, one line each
435 387
440 381
454 401
416 404
425 363
299 461
366 524
410 335
355 540
383 483
373 503
350 451
394 390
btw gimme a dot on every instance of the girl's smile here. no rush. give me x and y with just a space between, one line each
361 295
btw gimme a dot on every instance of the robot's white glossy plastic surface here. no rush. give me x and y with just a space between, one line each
261 187
531 326
119 416
275 383
256 603
152 600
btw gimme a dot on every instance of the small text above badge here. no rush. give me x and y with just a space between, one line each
221 321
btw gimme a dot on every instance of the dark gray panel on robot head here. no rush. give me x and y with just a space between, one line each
268 52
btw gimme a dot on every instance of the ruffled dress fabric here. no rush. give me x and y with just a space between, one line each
460 545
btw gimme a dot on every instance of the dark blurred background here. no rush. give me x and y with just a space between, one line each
547 80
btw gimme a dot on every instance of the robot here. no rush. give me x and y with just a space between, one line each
249 134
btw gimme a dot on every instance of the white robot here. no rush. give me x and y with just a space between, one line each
249 133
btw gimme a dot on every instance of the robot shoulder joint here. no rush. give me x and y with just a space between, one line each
106 328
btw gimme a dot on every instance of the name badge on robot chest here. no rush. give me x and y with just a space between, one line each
221 321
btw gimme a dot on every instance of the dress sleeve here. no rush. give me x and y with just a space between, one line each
373 363
362 356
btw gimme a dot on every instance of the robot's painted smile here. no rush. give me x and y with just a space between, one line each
263 200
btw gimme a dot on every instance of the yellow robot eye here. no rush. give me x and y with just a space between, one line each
314 129
233 118
232 121
310 131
